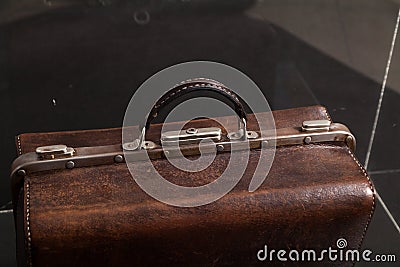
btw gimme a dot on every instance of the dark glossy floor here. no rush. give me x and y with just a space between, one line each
332 53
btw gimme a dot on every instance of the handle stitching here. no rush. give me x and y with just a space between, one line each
196 84
19 145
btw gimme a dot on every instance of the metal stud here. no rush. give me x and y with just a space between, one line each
21 172
118 158
220 148
264 143
70 164
307 140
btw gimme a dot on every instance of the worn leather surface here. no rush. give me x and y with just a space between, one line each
313 195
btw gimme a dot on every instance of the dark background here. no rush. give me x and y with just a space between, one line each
72 65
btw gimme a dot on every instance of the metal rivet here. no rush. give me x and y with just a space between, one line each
220 148
166 153
118 158
264 143
191 131
70 164
349 139
21 172
307 140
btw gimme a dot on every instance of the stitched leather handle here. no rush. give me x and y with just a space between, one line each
196 88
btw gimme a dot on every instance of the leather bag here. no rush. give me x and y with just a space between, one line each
74 212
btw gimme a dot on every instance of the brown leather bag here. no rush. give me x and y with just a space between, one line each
76 213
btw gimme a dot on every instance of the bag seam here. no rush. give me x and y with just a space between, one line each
371 186
28 226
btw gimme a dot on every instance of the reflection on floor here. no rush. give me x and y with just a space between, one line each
357 33
7 239
381 238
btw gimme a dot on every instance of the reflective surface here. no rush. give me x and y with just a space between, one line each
75 64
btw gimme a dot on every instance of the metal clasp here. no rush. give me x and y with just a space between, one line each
54 151
316 125
191 135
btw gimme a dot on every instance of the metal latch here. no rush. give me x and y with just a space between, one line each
60 156
54 151
316 125
191 135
